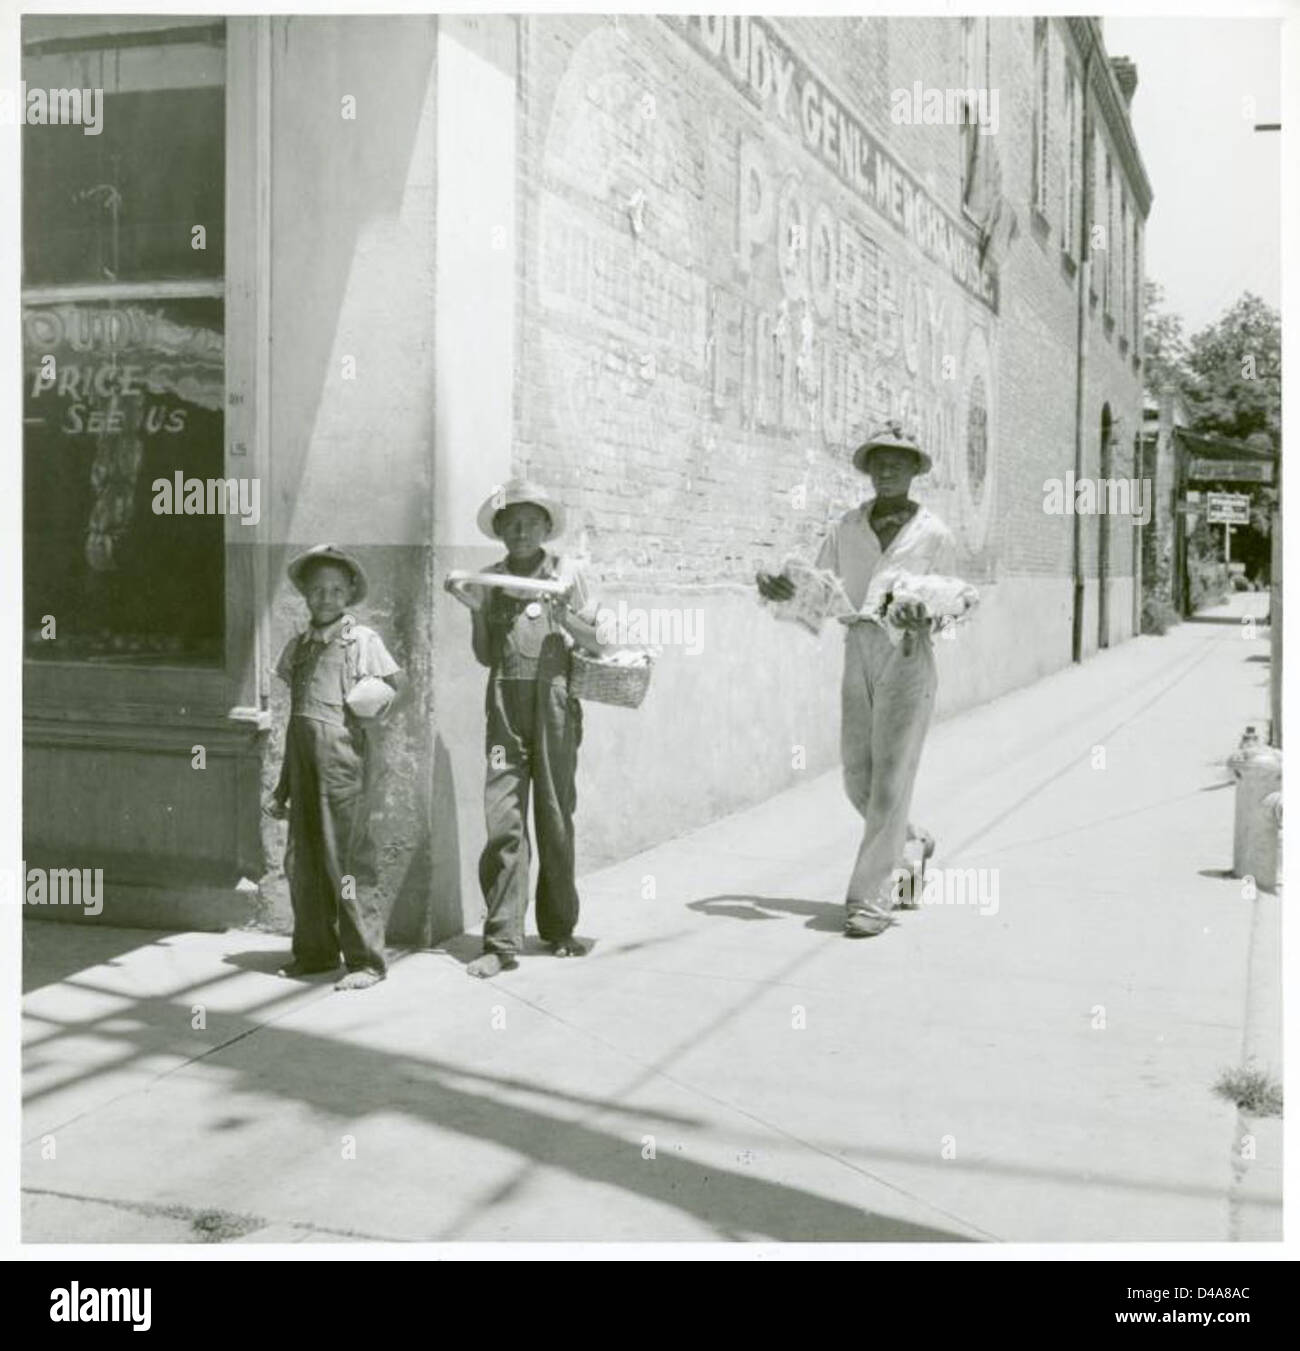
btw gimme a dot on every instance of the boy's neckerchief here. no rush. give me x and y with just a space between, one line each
889 516
527 572
324 635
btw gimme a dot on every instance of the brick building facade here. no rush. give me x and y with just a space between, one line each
673 267
734 259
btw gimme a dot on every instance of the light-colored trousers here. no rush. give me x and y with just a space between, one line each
887 699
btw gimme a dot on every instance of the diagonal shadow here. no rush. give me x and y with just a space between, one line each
822 916
287 1063
58 961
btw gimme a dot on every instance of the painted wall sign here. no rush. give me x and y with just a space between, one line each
772 76
1230 471
706 294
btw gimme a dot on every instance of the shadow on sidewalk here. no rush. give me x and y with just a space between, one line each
50 961
346 1083
822 916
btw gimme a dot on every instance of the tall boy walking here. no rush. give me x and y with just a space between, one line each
888 690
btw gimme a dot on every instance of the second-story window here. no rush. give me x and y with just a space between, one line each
1042 89
1070 169
974 77
1137 286
1123 267
1109 255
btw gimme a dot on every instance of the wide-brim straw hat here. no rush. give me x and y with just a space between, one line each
516 491
890 437
329 553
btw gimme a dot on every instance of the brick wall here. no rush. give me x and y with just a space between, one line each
668 384
712 311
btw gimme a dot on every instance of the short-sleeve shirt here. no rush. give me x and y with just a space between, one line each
321 665
852 551
525 640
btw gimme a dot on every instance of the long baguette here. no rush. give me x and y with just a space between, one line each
506 581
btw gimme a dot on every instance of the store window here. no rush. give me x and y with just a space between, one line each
124 341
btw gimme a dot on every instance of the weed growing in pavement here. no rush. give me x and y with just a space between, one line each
1253 1090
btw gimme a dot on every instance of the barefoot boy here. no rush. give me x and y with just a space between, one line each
534 725
325 780
888 691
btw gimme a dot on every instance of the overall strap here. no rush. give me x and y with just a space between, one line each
351 653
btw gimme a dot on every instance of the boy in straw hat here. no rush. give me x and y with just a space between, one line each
888 690
333 667
534 725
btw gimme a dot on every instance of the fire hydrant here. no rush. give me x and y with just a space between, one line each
1256 825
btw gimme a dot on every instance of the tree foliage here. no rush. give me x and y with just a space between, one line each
1229 372
1235 365
1164 348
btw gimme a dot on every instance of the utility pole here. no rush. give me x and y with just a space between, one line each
1275 584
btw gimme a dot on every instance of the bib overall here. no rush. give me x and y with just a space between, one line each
329 859
534 728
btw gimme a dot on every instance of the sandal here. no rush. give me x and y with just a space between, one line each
909 897
866 920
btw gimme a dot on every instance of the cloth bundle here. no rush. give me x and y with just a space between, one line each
946 600
818 596
627 656
370 697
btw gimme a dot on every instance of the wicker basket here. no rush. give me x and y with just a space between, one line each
605 682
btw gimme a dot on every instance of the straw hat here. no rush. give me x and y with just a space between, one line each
890 437
516 491
328 553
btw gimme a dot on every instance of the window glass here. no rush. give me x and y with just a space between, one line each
123 341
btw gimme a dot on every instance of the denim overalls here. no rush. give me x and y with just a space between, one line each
329 859
534 728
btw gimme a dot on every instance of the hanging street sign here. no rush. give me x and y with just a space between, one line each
1228 509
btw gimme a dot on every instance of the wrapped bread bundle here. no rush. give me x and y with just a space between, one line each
945 600
370 697
818 596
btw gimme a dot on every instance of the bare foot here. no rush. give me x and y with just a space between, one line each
490 964
359 980
297 970
569 947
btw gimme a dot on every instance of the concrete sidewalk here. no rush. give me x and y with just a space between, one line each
724 1065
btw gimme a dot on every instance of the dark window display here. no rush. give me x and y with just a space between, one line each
124 348
116 397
